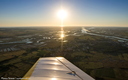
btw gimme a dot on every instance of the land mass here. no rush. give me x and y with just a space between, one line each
103 58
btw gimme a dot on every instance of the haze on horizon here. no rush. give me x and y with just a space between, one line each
80 12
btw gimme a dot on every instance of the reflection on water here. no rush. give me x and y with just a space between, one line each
62 35
54 78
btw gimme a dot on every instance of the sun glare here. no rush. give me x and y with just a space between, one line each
62 36
54 78
62 14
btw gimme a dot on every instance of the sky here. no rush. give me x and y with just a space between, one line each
14 13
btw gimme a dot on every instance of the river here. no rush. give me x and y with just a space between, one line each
111 37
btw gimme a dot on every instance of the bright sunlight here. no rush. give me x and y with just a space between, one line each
62 14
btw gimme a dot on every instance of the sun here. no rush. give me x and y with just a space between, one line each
62 14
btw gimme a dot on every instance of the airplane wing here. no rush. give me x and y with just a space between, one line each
55 68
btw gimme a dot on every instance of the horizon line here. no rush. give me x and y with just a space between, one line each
64 26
